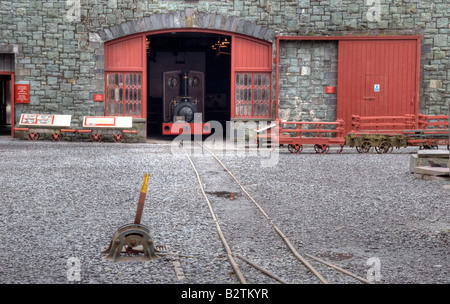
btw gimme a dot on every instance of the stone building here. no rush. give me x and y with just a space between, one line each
303 60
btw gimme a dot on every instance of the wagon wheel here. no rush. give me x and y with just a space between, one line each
96 137
322 148
340 150
385 147
56 136
365 146
33 136
118 138
295 148
358 149
390 147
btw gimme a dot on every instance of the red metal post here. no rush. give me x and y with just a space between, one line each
277 100
233 78
417 89
12 104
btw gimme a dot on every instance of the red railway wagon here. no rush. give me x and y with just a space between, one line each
380 132
386 132
296 134
432 131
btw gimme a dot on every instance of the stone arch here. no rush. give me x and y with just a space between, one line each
188 19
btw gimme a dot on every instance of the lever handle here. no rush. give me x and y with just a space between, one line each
140 208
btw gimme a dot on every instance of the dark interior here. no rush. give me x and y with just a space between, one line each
189 51
5 104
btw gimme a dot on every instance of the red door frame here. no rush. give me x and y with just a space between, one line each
233 35
348 38
13 101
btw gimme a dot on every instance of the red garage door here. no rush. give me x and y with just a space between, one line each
378 78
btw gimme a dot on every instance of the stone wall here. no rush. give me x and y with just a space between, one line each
59 43
306 68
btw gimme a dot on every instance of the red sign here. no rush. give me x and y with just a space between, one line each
22 92
330 90
98 97
37 119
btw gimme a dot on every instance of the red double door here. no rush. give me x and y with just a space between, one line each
378 78
126 76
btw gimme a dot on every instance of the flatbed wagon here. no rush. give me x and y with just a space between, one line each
295 135
387 132
382 133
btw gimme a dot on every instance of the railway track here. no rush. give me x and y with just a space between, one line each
244 227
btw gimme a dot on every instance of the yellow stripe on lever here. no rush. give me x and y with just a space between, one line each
145 184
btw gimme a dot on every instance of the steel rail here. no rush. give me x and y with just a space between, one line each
339 269
282 235
285 239
234 265
268 273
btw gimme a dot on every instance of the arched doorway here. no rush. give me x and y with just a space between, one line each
236 68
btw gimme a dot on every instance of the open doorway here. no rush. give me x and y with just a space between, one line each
209 54
5 104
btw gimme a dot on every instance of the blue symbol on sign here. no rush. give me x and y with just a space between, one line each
376 88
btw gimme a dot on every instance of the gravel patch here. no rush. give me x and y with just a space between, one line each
348 208
65 200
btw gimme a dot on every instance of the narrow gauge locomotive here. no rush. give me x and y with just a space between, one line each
183 103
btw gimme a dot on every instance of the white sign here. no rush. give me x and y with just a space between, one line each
376 88
107 122
45 120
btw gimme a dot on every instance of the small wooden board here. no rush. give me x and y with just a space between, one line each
436 171
433 153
